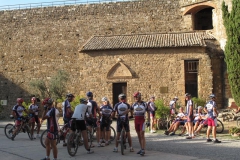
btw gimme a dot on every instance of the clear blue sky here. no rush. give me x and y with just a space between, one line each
15 2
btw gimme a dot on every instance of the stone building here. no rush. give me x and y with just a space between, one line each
158 47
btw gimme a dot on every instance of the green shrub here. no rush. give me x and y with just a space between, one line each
162 110
234 130
198 101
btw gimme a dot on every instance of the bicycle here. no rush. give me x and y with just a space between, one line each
92 131
64 131
123 138
24 127
75 140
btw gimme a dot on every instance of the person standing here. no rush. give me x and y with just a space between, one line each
94 121
52 129
122 108
33 113
211 109
78 122
190 118
67 112
105 120
152 109
17 113
172 106
139 109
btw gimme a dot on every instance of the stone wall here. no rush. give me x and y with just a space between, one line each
151 69
35 43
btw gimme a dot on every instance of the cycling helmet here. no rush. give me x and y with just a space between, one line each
50 101
45 101
83 100
152 97
89 94
122 96
175 98
104 99
212 96
187 95
137 94
19 100
200 107
33 99
70 95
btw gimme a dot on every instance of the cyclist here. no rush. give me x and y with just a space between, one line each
17 112
122 108
152 108
52 127
93 121
105 120
79 121
190 118
33 110
140 108
67 112
172 106
211 109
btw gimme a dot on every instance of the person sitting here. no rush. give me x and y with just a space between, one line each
198 118
176 123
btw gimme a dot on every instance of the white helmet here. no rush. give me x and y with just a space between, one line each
104 99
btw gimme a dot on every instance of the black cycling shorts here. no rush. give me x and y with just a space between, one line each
105 123
78 124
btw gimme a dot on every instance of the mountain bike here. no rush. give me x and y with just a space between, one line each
63 133
123 138
75 140
24 127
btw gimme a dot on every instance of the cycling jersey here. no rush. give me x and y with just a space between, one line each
120 108
34 108
52 120
139 109
80 111
66 104
210 106
106 111
93 105
171 104
189 103
18 110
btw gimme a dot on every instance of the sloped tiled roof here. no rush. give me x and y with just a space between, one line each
147 41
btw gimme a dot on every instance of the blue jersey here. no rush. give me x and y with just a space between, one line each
120 108
106 111
139 109
52 121
210 106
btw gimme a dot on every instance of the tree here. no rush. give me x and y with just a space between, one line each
55 88
232 48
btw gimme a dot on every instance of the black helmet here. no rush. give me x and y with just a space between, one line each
89 94
70 95
50 101
122 96
83 100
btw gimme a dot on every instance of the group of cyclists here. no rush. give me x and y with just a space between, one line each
85 116
193 123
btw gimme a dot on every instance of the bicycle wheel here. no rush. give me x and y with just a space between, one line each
8 130
43 137
90 138
238 122
72 144
220 126
29 132
112 134
122 138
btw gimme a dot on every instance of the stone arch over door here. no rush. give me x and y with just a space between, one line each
119 71
201 15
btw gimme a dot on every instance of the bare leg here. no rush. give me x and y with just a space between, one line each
54 148
129 139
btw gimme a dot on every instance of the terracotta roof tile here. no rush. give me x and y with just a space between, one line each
147 41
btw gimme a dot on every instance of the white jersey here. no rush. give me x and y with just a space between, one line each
34 108
89 104
80 111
